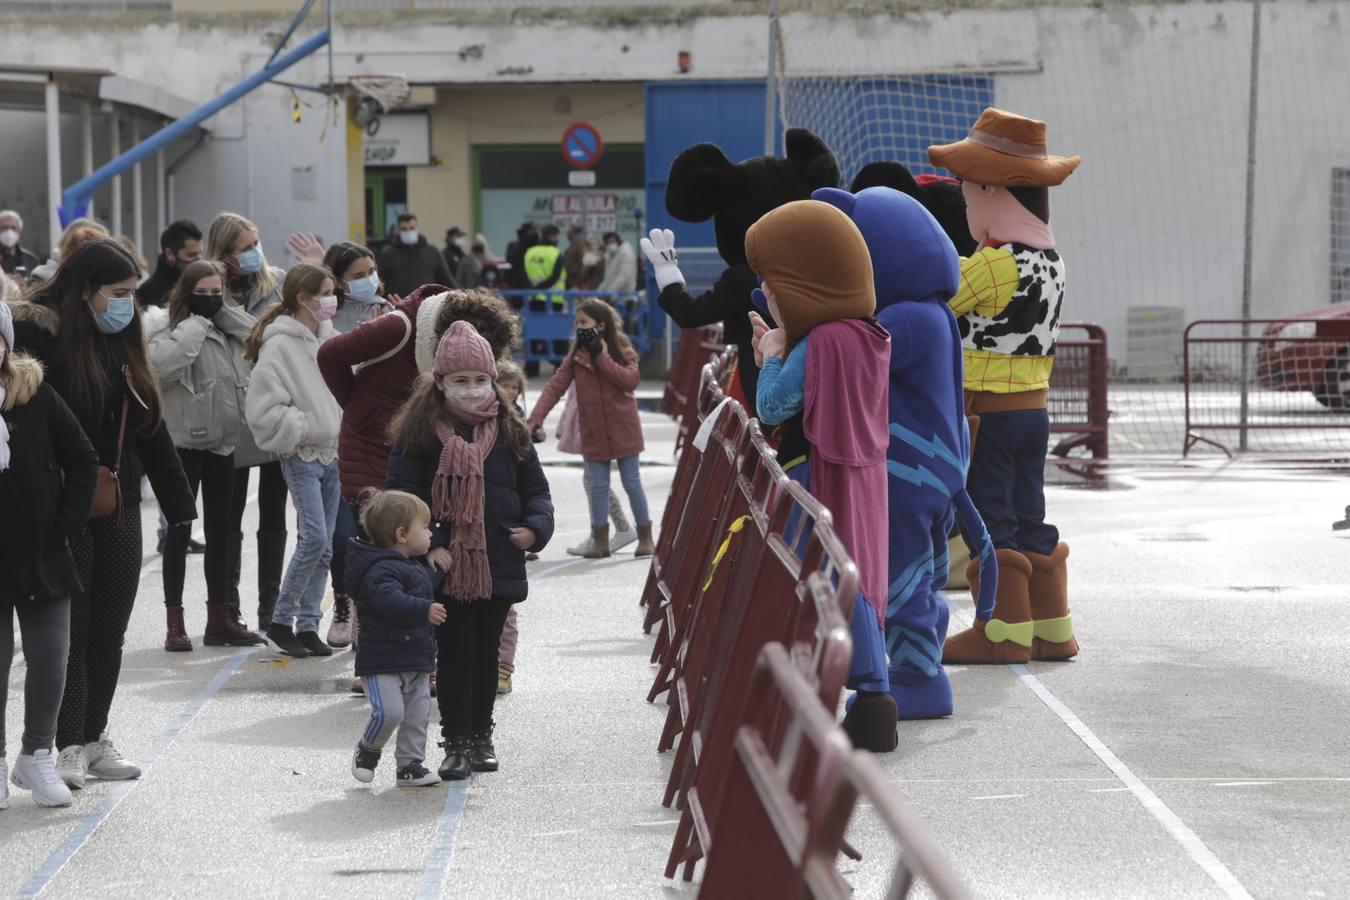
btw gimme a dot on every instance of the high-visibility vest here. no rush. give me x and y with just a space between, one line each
539 263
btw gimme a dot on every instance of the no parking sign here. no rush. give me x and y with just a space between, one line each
582 146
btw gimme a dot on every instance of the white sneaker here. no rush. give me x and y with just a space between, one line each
108 764
72 768
38 774
580 549
4 784
621 539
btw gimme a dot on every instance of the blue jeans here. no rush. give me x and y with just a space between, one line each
1007 480
630 473
316 493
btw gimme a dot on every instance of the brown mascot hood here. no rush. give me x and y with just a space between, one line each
816 261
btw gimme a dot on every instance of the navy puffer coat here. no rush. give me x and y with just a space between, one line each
393 595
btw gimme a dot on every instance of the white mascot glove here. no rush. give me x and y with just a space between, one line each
660 252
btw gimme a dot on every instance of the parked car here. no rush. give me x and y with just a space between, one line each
1310 352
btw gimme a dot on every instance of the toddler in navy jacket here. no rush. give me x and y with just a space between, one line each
397 615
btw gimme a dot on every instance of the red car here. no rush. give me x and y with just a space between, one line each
1311 352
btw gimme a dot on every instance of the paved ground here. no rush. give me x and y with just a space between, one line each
1195 749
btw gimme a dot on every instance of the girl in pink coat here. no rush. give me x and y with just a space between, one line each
604 367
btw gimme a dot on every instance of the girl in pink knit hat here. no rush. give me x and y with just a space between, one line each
467 453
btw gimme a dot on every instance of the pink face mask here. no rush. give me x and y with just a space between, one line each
327 308
993 213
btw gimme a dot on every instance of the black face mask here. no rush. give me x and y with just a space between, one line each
205 305
586 335
180 264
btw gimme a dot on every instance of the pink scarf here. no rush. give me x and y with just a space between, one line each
995 217
457 497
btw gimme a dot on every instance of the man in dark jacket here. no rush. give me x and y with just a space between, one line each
12 253
410 261
179 246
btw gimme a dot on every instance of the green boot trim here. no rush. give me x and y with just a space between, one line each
1056 631
1020 633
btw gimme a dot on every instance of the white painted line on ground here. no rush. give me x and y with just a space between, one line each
1241 783
119 791
655 824
442 853
1116 790
1179 830
1000 797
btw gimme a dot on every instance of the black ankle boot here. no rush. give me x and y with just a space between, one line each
457 765
482 755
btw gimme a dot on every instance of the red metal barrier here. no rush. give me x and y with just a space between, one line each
766 609
787 758
1290 384
682 379
1077 399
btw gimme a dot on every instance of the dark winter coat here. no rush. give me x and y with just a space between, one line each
406 267
516 495
729 303
46 492
371 395
153 455
18 258
393 595
155 290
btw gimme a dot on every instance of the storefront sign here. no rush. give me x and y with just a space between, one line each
400 139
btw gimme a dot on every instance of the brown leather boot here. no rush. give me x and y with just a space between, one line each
599 543
1054 638
175 634
1007 637
646 546
226 628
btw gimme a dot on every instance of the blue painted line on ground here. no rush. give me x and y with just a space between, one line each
42 878
442 853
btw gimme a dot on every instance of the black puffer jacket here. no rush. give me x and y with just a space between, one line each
393 596
516 495
45 493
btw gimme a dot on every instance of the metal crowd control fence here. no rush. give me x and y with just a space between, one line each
1284 390
1077 398
547 325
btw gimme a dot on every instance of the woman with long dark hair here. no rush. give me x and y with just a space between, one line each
84 326
197 348
255 286
358 286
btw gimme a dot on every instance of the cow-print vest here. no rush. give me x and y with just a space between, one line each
1029 324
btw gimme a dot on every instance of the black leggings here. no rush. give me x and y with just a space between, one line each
466 664
98 623
215 474
271 527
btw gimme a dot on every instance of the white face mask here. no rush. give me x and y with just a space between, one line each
9 238
408 237
468 397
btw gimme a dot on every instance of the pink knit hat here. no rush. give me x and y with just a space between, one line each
463 349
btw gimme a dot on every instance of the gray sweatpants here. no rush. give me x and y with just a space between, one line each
401 701
46 643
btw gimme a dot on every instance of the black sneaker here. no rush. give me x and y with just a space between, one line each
456 766
282 640
482 755
364 763
313 643
416 775
195 546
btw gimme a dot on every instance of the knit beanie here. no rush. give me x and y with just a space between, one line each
463 349
817 263
7 325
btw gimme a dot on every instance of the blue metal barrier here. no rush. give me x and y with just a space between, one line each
547 325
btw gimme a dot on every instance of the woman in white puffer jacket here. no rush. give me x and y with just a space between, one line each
292 413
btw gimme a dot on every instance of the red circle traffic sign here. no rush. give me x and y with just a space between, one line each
582 145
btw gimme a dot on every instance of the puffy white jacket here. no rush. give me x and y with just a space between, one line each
289 408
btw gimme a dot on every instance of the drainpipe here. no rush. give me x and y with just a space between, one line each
52 102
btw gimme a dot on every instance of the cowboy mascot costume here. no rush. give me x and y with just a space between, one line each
1008 310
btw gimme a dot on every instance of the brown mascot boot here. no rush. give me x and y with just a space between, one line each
870 722
1050 606
1007 637
646 546
599 543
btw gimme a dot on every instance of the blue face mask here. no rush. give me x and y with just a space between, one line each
251 261
365 290
120 312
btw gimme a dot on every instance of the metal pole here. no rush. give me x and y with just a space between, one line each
161 202
115 140
87 136
52 100
771 84
1249 217
137 188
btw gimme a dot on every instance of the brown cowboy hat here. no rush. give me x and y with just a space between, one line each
1004 150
